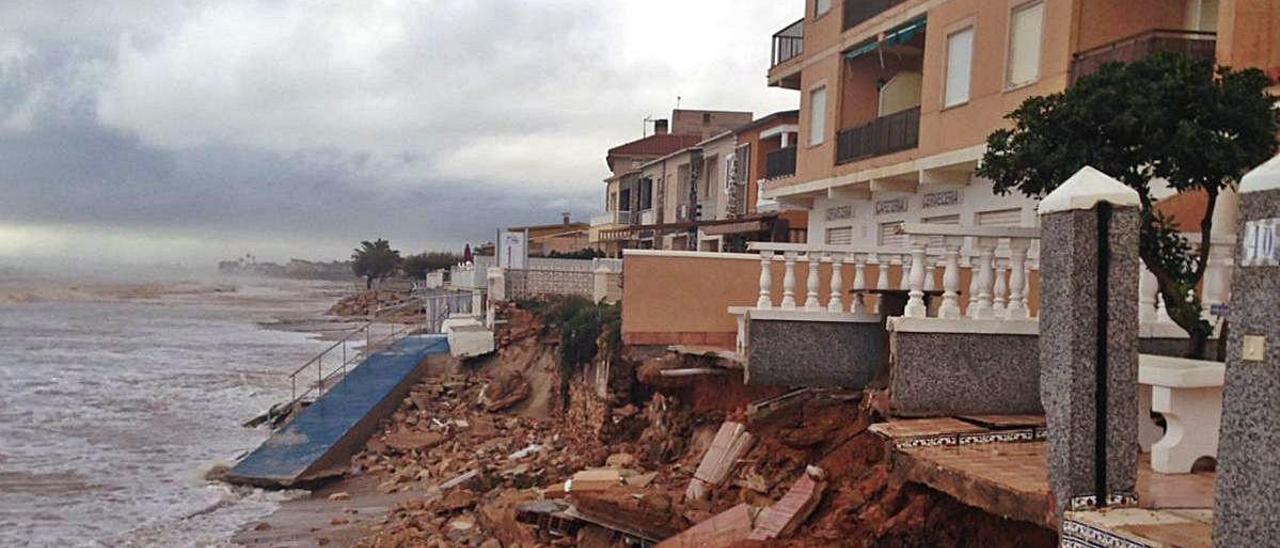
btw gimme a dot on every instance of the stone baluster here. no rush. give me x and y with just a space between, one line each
835 302
882 271
765 301
811 284
1001 289
789 281
882 275
1147 295
1017 309
950 307
915 279
930 272
904 281
986 277
972 308
1162 313
859 284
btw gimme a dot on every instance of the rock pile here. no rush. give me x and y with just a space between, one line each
369 302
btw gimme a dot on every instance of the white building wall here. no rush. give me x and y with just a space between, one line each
865 217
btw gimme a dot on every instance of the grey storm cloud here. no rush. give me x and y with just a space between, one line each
433 122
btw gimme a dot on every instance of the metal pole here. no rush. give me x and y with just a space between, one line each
319 376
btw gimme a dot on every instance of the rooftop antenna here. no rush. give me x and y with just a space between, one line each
677 102
644 126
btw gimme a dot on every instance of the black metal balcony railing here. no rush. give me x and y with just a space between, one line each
1139 46
780 163
892 133
788 43
857 11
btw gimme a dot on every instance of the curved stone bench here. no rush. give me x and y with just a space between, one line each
1188 393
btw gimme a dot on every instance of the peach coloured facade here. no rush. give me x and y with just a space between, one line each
681 297
951 139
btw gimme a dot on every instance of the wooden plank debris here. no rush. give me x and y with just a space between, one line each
794 508
732 441
722 530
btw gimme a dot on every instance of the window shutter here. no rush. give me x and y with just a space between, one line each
817 116
889 239
1026 31
1001 217
840 235
959 66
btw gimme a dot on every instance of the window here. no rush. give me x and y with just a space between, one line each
959 67
1026 32
889 237
1001 217
939 242
840 235
821 7
817 116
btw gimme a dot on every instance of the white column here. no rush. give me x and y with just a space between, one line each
859 284
950 307
986 254
915 279
789 282
765 301
835 302
1001 289
1147 290
811 284
1018 309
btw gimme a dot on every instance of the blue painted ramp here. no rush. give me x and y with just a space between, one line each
321 439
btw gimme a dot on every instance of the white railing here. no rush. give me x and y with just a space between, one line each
1000 260
649 217
859 258
614 218
999 264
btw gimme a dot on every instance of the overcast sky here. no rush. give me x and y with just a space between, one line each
182 131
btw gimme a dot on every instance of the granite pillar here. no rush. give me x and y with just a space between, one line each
1089 340
1248 491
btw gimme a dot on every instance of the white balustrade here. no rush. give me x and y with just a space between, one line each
1148 288
998 287
1001 266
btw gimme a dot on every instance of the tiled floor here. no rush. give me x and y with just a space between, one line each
1176 509
911 428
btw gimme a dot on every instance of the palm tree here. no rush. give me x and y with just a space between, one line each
374 260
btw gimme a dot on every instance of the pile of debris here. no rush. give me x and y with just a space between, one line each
369 303
678 464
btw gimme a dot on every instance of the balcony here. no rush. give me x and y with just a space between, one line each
614 218
780 163
1197 44
887 134
788 43
858 11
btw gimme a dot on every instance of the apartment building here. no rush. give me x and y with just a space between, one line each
697 188
897 97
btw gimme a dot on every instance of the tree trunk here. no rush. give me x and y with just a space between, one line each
368 283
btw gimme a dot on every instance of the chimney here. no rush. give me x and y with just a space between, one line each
660 127
566 218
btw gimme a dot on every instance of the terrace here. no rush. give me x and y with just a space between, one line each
1198 44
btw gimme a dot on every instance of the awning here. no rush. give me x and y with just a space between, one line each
900 35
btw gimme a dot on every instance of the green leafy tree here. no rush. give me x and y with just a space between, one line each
374 260
417 266
1167 117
